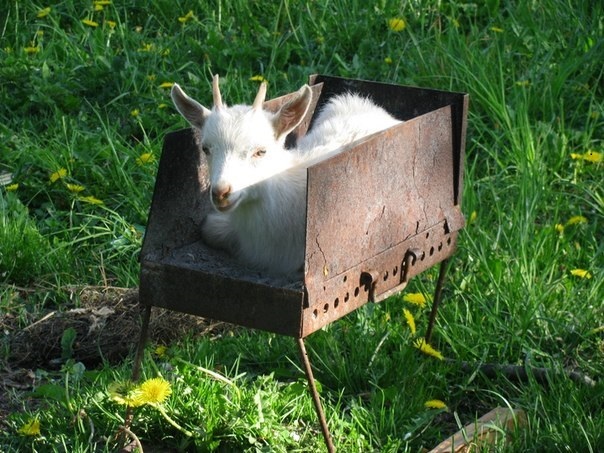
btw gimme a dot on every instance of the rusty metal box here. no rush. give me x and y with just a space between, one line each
379 213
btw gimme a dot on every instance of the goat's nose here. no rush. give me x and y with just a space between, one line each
221 193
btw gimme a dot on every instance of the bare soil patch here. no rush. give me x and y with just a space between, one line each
105 327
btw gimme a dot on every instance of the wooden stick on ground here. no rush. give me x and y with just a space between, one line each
486 430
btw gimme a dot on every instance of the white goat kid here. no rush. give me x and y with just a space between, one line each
257 186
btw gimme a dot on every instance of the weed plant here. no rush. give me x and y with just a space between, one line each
84 105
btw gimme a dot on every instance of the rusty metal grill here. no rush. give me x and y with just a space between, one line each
397 192
378 214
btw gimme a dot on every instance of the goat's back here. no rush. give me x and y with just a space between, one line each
344 119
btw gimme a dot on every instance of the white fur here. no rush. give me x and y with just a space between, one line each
262 220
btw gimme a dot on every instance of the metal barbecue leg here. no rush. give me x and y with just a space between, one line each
438 291
138 358
315 396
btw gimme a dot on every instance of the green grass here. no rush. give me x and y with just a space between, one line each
90 100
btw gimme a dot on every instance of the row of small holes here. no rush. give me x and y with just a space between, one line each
432 250
357 291
336 302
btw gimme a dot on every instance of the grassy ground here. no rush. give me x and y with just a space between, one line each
83 108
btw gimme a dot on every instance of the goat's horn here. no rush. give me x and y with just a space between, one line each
216 92
260 97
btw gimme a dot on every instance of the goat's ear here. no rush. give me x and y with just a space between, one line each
193 111
292 113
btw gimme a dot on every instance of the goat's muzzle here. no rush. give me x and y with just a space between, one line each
221 197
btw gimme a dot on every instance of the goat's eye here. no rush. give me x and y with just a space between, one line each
206 150
259 153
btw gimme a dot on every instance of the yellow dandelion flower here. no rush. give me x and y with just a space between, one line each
161 350
59 174
90 23
43 12
435 404
574 220
473 217
388 60
258 78
12 187
126 393
591 155
496 29
559 228
167 85
74 188
396 24
90 199
112 24
31 49
186 18
145 158
424 347
102 2
146 47
581 273
410 320
163 105
31 428
155 391
415 298
98 7
135 113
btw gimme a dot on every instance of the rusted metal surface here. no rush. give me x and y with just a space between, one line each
378 214
405 103
225 294
177 208
346 292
